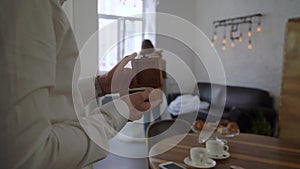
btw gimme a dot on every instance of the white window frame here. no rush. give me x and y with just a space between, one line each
121 36
121 22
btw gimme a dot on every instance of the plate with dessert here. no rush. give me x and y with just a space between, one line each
225 128
197 126
200 125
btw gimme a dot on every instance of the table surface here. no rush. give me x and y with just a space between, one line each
246 150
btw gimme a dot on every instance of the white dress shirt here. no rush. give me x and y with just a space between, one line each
39 126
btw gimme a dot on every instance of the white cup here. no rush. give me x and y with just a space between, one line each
199 155
216 147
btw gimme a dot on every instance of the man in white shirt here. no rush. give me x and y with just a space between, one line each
39 126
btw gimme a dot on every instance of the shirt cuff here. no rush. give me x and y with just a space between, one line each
118 111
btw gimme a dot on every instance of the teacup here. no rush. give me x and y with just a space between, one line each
199 155
216 147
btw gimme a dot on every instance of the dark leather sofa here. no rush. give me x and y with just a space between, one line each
242 104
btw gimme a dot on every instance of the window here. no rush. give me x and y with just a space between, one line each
122 27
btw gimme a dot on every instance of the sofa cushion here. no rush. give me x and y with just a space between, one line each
236 96
203 113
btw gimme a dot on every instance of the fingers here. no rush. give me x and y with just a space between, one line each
122 76
143 101
137 114
145 94
156 96
120 66
130 57
125 60
138 111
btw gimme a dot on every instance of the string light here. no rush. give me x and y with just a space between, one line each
241 37
212 44
224 40
236 33
224 44
224 47
215 36
259 29
232 44
250 45
250 31
224 37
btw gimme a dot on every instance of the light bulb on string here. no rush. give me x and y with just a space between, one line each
212 44
215 36
249 34
224 47
241 37
224 36
224 40
258 29
232 44
250 45
250 31
233 29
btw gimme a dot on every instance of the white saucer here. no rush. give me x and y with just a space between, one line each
225 155
209 164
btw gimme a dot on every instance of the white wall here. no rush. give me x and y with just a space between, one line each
85 24
85 20
83 17
186 10
261 67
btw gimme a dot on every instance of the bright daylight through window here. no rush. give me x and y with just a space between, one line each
123 24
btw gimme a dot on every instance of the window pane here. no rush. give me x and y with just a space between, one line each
124 35
133 36
107 44
120 7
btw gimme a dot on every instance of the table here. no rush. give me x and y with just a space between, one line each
246 150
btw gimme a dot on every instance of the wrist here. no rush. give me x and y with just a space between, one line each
98 88
104 84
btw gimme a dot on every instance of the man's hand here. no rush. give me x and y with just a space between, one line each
118 78
141 102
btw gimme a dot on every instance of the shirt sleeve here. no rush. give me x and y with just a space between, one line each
89 89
